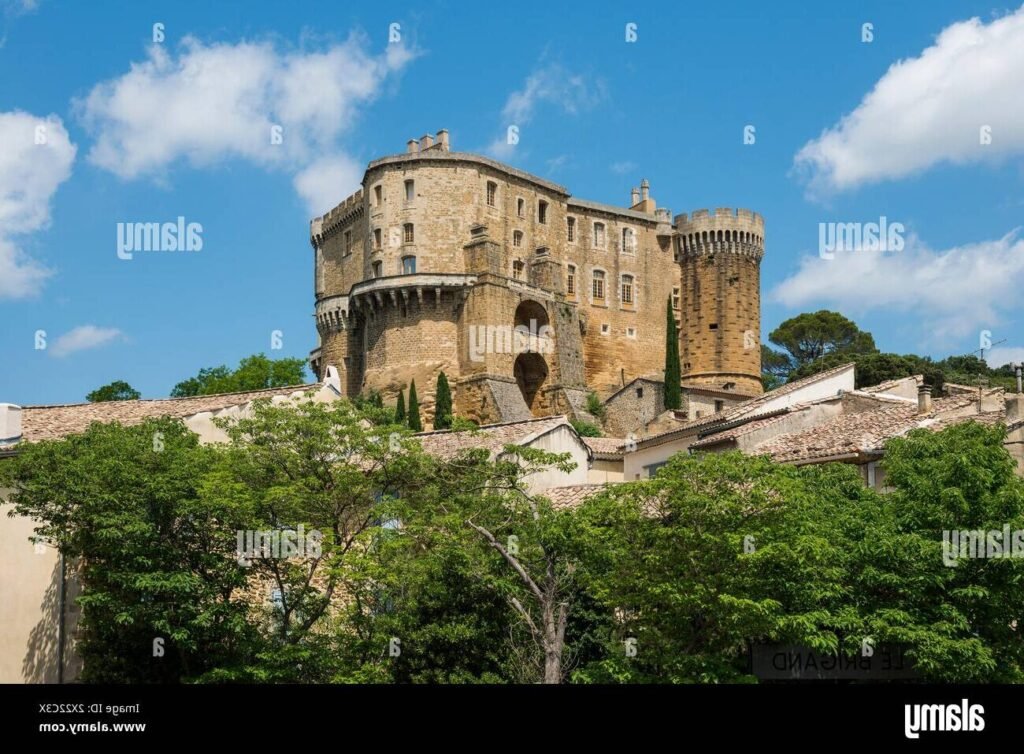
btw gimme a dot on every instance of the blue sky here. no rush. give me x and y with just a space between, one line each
137 131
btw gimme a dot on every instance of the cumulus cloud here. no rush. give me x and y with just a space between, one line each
209 102
549 84
83 338
928 110
327 181
957 291
36 158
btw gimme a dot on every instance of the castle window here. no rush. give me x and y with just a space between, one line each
713 326
542 212
639 392
409 233
409 265
517 238
627 289
599 284
628 240
719 405
598 235
606 329
570 280
675 298
378 195
520 206
492 193
542 251
348 242
631 333
410 190
378 269
376 238
517 269
570 225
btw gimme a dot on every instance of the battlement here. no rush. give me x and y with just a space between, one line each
721 217
335 217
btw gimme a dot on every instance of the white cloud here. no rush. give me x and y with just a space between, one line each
211 102
954 293
83 338
930 109
327 181
621 168
548 84
36 158
1004 355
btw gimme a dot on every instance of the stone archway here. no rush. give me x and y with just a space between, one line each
531 371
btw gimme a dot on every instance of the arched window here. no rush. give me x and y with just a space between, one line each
628 240
517 238
570 224
598 288
409 265
409 233
517 269
492 193
570 280
598 235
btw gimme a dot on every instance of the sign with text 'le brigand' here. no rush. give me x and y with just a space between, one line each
789 662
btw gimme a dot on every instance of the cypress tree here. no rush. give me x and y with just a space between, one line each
673 395
414 409
400 409
442 403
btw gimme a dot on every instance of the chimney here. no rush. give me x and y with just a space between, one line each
426 142
635 196
442 139
412 146
645 188
10 424
1018 368
924 399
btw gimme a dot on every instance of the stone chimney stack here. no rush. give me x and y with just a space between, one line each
635 196
645 189
426 142
924 399
10 424
442 139
412 146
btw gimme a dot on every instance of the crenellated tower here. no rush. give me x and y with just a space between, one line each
720 256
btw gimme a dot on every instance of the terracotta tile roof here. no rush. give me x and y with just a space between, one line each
447 443
883 387
868 431
744 409
753 425
57 421
572 496
605 447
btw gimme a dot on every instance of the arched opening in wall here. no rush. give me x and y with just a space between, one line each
530 371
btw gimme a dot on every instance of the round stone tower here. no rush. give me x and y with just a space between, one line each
720 299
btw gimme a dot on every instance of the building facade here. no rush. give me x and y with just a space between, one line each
525 296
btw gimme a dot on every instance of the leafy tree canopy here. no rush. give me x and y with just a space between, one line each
115 391
255 372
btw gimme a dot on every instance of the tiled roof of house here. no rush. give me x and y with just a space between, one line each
884 387
605 447
447 443
744 409
572 496
868 431
57 421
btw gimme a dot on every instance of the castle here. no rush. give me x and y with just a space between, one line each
525 296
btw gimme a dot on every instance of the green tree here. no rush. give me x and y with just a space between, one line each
442 403
115 391
775 368
255 372
415 423
875 368
400 417
673 380
811 336
153 557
